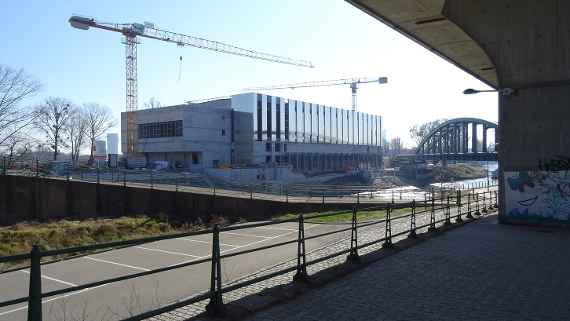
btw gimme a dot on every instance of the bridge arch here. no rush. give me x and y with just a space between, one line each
452 138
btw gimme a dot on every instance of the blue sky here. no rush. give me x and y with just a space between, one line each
340 40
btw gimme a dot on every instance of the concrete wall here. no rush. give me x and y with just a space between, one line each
529 44
40 199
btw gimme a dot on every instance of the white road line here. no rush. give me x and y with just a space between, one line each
51 279
164 251
116 263
247 235
52 299
266 239
206 242
276 228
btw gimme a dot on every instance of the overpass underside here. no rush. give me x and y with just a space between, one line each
522 49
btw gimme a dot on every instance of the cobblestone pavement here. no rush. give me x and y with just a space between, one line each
366 234
482 271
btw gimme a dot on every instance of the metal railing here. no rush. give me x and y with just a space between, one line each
466 205
198 183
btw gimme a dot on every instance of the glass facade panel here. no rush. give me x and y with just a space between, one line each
257 133
283 119
350 126
277 118
314 123
366 129
301 122
264 119
272 121
322 118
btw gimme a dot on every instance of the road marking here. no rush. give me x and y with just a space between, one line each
52 299
267 239
51 279
250 235
116 263
206 242
276 228
167 252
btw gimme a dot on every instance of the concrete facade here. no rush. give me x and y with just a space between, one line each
259 130
519 45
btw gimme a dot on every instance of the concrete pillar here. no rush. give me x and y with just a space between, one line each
529 52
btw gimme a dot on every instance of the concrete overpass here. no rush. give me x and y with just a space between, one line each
522 49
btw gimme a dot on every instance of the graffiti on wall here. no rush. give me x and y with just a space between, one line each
542 195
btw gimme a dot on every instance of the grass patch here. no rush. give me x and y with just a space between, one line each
346 216
19 238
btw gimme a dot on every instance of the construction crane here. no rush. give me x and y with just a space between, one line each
353 82
131 31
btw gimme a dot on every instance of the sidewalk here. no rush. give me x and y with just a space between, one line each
482 271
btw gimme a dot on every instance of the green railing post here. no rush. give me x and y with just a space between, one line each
447 212
301 275
469 215
459 209
216 305
484 210
432 216
491 205
388 228
353 254
413 221
35 292
496 205
477 204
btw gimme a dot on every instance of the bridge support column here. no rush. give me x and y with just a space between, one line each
465 138
484 146
474 148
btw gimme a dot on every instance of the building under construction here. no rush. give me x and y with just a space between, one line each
257 130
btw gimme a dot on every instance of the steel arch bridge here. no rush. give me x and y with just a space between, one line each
451 141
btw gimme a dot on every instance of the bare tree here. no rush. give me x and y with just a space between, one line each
52 120
77 132
396 145
152 103
17 146
419 131
15 87
99 120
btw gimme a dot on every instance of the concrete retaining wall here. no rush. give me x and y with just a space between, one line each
29 198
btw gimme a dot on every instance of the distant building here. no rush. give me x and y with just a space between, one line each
256 129
112 143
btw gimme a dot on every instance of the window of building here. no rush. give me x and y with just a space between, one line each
268 159
161 129
195 159
259 119
269 124
285 148
277 147
267 147
223 132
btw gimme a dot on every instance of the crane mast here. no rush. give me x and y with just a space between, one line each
353 82
132 31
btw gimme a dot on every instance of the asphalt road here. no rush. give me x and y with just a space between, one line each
119 300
